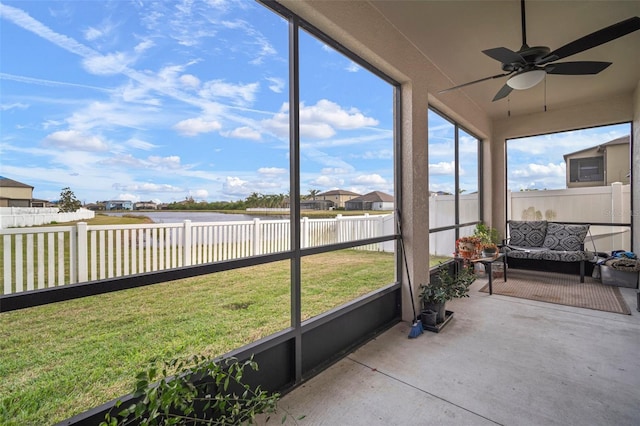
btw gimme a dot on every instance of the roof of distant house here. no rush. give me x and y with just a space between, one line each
375 196
337 192
10 183
600 147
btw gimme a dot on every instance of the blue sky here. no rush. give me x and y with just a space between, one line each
152 100
165 100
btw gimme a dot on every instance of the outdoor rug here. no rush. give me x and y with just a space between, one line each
561 289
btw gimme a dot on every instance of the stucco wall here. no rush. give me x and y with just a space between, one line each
16 193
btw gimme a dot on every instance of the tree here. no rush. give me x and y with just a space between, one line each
313 193
68 201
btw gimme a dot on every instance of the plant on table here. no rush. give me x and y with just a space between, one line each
488 237
468 247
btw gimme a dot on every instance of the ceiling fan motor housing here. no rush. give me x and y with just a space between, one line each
531 56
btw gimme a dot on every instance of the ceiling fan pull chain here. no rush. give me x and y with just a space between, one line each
545 93
508 106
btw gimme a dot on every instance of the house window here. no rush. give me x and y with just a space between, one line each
586 169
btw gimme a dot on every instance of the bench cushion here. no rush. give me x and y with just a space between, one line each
546 254
565 237
527 233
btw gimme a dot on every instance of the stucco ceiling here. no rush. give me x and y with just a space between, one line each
452 34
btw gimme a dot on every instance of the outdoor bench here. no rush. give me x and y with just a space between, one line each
533 244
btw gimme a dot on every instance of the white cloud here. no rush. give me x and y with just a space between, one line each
442 168
170 162
73 139
143 46
277 84
243 133
383 154
92 33
25 21
199 194
146 187
195 126
272 171
335 171
110 64
325 181
101 31
333 114
109 115
239 94
236 186
352 67
540 171
129 197
140 144
16 105
190 81
50 83
125 160
319 121
372 179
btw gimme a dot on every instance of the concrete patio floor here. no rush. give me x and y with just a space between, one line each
501 360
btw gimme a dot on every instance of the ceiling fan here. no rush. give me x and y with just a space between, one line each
529 65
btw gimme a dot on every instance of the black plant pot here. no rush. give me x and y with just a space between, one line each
429 318
437 307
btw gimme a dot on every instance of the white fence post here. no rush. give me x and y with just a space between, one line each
82 252
187 243
257 237
617 210
304 233
338 227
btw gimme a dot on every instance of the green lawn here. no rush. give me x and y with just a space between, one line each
61 359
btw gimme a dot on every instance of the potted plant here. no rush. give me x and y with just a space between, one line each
446 286
468 247
488 238
489 250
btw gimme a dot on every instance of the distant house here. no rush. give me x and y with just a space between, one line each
118 205
99 206
41 203
14 193
316 205
146 205
600 165
337 196
375 200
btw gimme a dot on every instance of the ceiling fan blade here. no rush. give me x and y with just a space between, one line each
502 93
576 68
474 82
504 55
597 38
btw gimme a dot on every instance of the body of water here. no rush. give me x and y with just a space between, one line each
179 216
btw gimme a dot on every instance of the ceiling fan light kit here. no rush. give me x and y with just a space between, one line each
526 80
528 66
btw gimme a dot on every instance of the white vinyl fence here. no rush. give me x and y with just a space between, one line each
598 204
15 217
36 258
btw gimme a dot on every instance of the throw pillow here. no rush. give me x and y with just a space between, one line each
565 237
529 233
